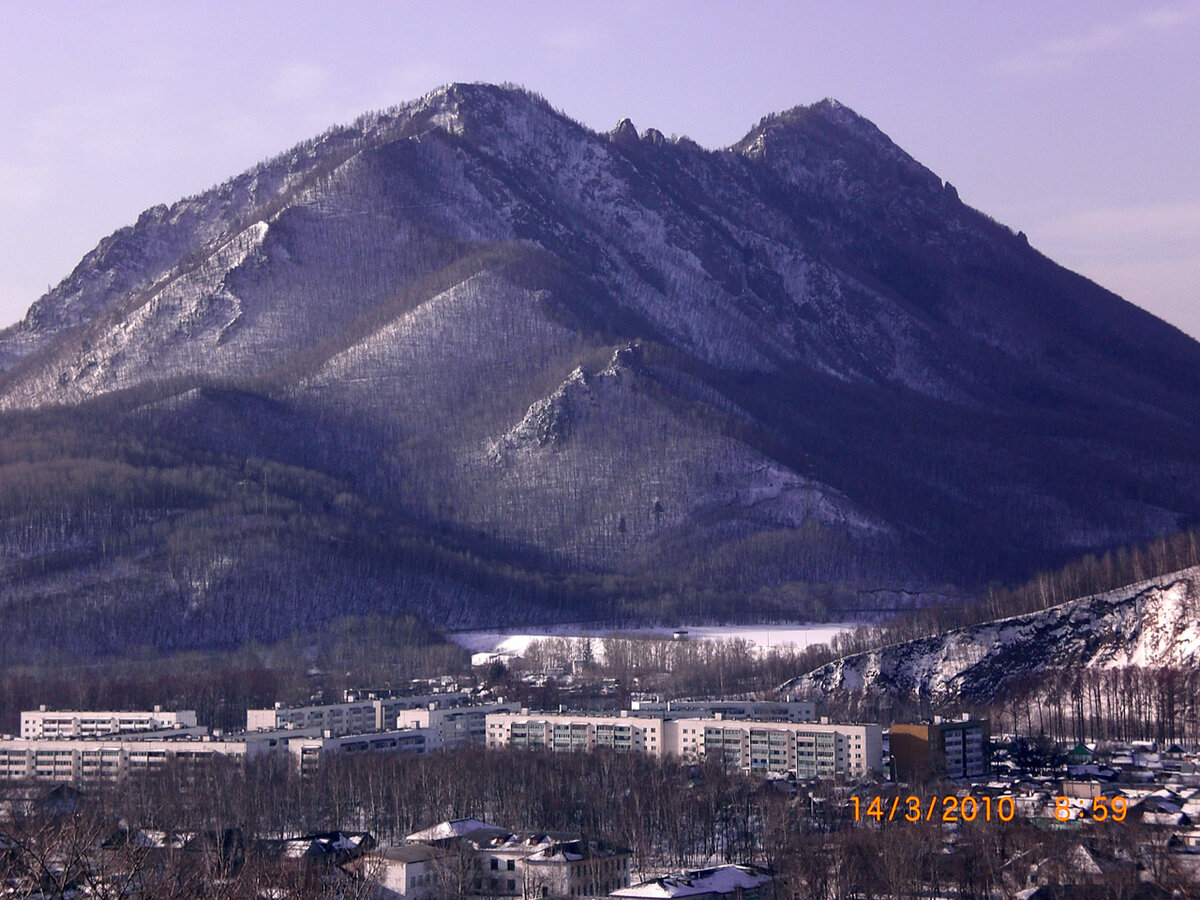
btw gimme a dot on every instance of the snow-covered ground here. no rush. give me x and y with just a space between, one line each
762 637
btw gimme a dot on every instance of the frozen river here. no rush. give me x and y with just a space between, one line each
762 637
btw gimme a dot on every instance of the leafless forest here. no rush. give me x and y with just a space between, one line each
668 815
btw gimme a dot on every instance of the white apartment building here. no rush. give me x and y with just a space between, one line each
92 759
354 717
576 731
810 749
43 723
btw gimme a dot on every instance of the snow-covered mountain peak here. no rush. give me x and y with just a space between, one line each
830 142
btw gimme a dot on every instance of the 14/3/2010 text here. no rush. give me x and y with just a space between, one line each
971 809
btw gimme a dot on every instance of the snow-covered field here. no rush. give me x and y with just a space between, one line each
761 637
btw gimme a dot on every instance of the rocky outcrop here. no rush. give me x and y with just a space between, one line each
1152 623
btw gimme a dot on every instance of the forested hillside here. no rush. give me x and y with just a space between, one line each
469 360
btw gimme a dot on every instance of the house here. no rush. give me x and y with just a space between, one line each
1082 866
25 800
1080 755
321 848
495 862
407 871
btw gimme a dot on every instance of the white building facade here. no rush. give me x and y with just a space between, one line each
45 723
80 760
353 717
576 731
809 749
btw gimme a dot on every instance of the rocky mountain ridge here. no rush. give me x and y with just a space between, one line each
1151 623
798 370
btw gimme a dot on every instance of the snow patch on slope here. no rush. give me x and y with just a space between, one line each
181 325
549 420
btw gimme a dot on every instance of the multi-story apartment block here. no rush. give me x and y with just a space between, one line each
108 758
575 731
810 749
306 751
352 717
454 726
76 746
941 749
43 723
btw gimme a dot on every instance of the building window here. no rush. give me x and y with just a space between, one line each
495 863
512 864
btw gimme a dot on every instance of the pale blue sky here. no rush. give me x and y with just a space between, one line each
1078 124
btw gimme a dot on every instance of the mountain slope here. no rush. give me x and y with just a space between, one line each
659 377
1151 623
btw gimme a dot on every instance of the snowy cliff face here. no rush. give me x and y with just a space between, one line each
1152 623
798 360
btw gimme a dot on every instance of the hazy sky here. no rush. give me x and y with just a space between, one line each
1077 122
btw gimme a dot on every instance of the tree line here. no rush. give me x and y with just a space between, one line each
669 816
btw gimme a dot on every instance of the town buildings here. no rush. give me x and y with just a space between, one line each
756 737
450 727
76 747
307 749
576 731
408 871
759 710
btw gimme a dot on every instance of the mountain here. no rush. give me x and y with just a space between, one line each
468 358
1152 623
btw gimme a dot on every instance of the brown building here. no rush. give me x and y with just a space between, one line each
940 749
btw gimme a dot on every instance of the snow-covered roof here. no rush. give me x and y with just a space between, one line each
325 844
451 828
719 880
1165 818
